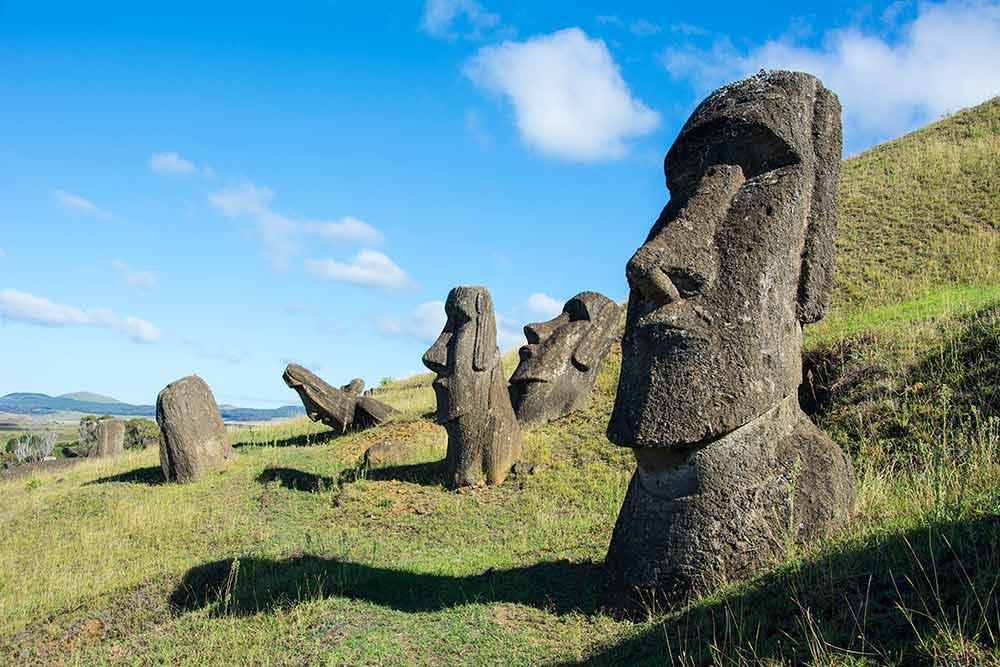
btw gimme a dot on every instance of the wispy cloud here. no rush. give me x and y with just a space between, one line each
424 323
144 279
172 164
213 352
346 229
79 204
942 60
644 28
280 233
544 305
369 267
445 19
568 94
17 306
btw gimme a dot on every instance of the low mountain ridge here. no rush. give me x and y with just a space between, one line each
25 403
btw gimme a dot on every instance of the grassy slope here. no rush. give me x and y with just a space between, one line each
295 556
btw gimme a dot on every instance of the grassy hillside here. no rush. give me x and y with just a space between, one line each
297 555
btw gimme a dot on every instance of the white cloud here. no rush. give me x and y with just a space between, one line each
568 94
440 17
279 233
23 307
368 267
171 164
543 304
424 323
346 229
509 333
143 279
73 202
943 60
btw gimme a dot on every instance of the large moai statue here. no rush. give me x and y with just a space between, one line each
484 439
560 362
194 439
341 409
729 468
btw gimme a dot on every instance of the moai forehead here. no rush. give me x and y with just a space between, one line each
739 259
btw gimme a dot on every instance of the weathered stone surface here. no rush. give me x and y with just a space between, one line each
739 259
561 360
194 439
473 405
109 437
355 387
337 409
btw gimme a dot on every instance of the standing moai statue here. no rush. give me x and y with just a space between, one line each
729 468
560 362
109 437
484 439
194 439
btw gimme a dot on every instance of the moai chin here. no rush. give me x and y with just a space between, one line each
484 439
562 358
741 257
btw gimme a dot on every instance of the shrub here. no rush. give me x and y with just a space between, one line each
141 433
31 448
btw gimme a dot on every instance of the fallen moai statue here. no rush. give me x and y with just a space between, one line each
338 409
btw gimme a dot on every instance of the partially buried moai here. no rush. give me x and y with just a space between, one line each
473 405
561 360
729 468
194 439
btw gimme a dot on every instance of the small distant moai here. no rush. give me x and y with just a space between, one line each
194 439
729 468
341 409
560 362
109 437
484 439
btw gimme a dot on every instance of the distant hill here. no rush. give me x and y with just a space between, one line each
89 397
43 404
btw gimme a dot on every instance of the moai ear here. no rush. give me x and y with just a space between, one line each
593 346
819 252
486 333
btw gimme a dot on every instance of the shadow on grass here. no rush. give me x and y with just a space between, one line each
304 440
151 475
250 585
907 600
297 480
424 474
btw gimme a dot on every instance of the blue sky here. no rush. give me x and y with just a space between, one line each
222 189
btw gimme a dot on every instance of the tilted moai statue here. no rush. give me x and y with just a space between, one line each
355 387
561 360
728 466
484 439
340 409
194 438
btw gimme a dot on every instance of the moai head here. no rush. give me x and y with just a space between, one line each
738 260
560 362
465 356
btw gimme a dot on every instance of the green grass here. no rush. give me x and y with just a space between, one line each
298 555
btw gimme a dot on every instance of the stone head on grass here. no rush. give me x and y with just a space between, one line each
194 440
561 359
729 468
472 400
740 257
341 409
